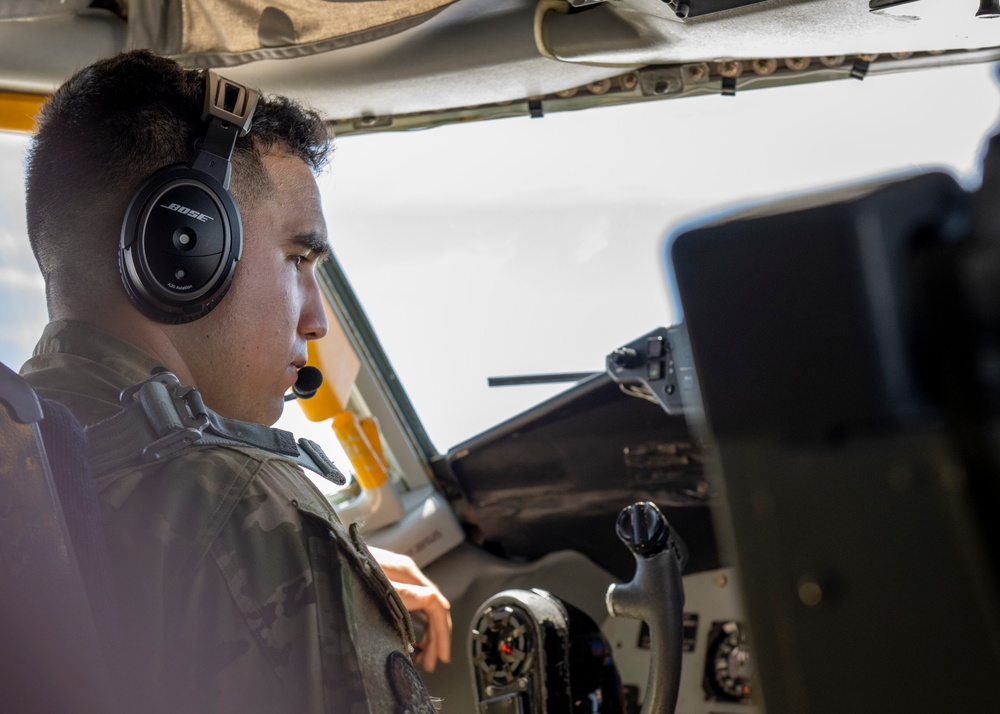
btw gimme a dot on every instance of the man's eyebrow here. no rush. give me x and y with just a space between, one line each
315 243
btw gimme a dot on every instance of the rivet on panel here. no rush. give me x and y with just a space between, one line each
601 87
696 72
764 67
729 68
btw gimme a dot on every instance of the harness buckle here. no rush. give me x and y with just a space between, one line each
177 414
170 443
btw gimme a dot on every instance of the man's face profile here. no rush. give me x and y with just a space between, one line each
243 356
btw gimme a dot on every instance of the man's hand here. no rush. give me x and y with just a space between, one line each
420 595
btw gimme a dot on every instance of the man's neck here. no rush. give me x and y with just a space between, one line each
128 324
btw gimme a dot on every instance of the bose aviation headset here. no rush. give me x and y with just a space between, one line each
182 233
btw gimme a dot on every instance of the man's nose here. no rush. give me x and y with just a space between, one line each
313 322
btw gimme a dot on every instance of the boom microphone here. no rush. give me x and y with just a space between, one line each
308 383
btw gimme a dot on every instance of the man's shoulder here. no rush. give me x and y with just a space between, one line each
75 382
85 368
215 463
259 475
227 456
213 470
203 490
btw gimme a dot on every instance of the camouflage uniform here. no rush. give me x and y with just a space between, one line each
239 588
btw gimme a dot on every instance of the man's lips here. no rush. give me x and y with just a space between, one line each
292 374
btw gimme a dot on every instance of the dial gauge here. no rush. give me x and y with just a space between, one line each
728 665
503 646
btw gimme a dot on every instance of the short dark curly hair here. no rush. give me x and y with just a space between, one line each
108 128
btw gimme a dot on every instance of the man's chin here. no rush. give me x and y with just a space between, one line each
270 415
265 414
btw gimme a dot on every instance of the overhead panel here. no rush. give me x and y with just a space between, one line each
644 32
221 33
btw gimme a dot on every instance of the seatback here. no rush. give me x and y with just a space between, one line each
52 657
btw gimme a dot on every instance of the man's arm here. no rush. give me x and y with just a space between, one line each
419 594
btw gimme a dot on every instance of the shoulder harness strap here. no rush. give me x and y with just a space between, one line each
160 417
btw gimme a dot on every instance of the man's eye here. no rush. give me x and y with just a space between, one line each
298 260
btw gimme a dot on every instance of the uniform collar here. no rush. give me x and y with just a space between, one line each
86 367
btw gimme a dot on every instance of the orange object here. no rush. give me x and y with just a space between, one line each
369 425
368 466
18 111
339 363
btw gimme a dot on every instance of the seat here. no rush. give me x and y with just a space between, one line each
57 614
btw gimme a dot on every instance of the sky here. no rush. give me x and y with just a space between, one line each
22 292
523 246
530 246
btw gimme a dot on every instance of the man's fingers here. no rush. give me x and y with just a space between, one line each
438 633
436 642
419 594
429 653
442 635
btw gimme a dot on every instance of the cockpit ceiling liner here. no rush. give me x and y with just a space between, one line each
644 32
224 33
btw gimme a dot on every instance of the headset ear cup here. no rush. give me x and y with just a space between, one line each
141 300
180 241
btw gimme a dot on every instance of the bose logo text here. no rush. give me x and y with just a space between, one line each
187 212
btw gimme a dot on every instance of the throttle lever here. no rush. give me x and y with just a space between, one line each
655 595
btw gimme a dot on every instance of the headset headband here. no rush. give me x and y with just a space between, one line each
229 109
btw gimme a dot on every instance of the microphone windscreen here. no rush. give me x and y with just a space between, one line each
308 382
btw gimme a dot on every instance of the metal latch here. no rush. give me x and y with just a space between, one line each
230 101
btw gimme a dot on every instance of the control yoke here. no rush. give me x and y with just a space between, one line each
532 653
655 595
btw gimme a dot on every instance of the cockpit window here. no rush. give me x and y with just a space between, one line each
535 246
22 291
527 246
